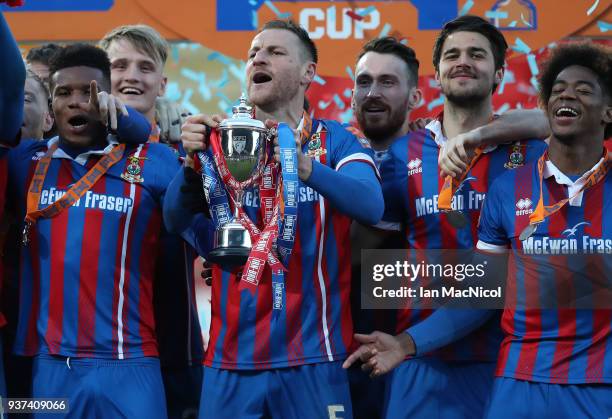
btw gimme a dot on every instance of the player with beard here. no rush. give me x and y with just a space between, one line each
468 58
385 91
279 353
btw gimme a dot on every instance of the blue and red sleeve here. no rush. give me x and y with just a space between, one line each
12 84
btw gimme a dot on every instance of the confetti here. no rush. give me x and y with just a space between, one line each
236 72
346 116
186 104
347 93
592 8
219 57
349 71
467 6
323 105
512 24
173 92
496 14
385 31
339 102
436 102
254 19
534 82
520 46
277 12
508 78
533 65
253 2
604 26
366 11
319 80
354 15
503 108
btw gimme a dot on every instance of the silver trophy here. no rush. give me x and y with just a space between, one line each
243 145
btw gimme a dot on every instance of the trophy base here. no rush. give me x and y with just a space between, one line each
229 257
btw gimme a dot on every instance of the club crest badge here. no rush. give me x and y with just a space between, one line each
516 158
314 146
133 170
239 142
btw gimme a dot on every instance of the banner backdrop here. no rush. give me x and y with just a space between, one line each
206 66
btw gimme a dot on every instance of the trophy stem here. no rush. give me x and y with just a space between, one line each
238 203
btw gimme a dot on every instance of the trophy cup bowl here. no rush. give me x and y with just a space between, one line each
243 145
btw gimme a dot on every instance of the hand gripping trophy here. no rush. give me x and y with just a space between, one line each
240 156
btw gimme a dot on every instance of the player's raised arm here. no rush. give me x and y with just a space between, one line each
12 82
354 177
514 125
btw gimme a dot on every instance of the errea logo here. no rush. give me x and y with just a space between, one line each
414 166
524 206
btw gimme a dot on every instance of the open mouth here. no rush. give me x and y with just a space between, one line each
566 112
78 122
259 78
130 91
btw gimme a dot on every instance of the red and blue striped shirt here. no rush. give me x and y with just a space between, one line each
562 346
250 331
86 277
411 184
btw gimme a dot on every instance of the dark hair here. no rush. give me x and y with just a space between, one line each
595 57
291 26
77 55
43 53
470 23
390 45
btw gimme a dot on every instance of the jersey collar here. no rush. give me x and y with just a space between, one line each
435 128
82 158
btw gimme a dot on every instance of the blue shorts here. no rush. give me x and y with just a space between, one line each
430 388
183 388
518 399
308 391
99 388
367 394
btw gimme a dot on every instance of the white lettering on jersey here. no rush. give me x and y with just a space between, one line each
91 200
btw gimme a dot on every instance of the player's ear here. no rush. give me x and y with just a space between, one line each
162 86
499 76
607 115
309 74
414 97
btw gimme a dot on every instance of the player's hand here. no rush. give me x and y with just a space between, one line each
169 117
104 107
418 124
304 162
457 153
195 134
380 352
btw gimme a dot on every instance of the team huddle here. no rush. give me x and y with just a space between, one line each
104 214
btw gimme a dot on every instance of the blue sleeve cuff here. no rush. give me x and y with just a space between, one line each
134 128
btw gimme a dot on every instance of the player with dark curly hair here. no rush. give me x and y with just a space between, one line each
558 359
